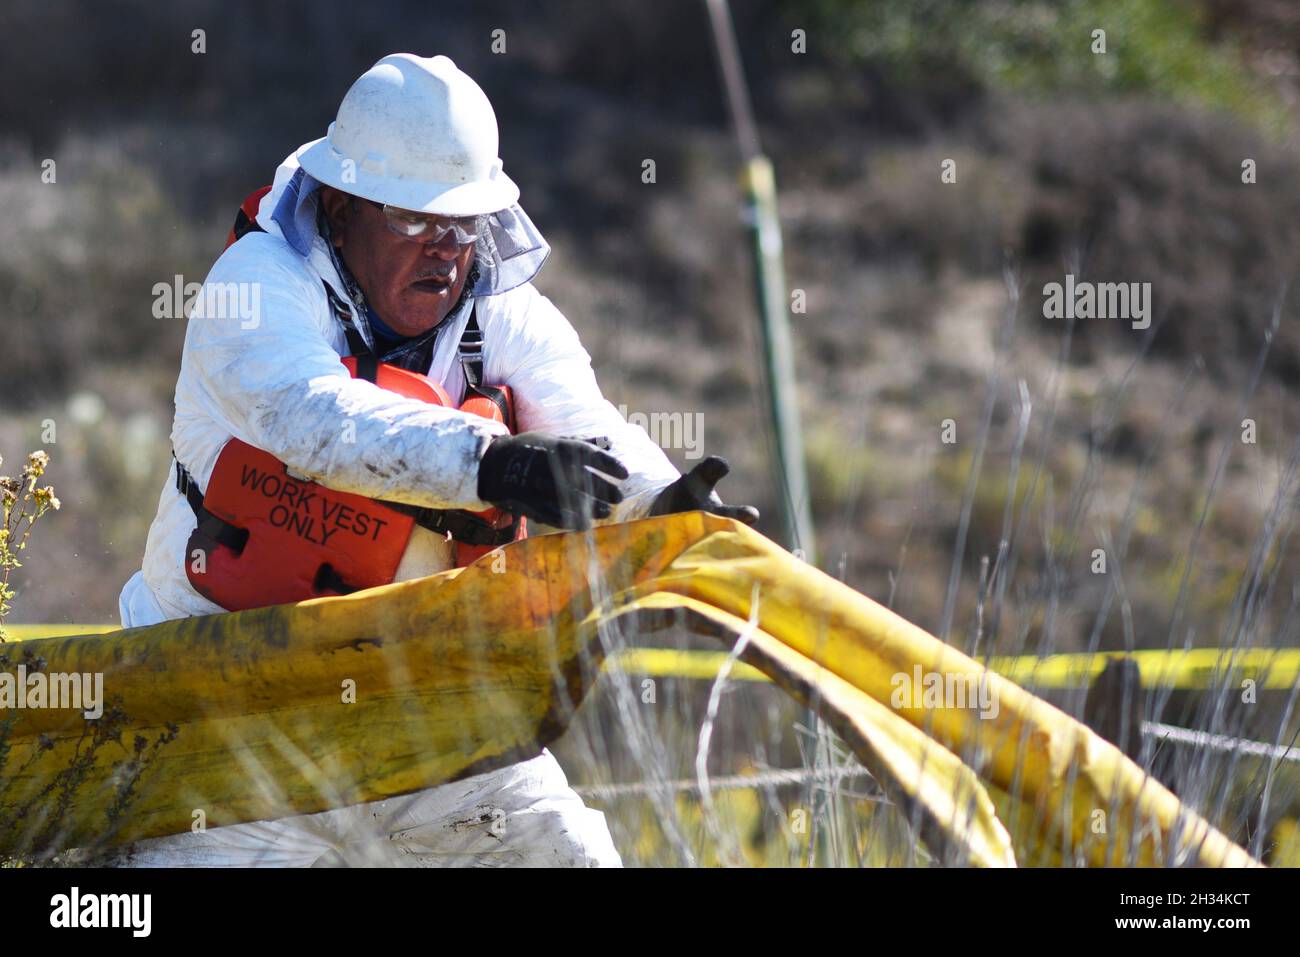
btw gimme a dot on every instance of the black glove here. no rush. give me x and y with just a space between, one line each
550 479
694 490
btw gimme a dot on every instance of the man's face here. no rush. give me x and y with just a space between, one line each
412 285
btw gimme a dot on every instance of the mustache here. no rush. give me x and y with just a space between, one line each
443 270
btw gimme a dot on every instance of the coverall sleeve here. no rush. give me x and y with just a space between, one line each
555 391
271 375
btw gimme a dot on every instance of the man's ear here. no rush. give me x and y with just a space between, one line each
337 204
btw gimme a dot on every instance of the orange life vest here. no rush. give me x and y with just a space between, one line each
264 536
246 218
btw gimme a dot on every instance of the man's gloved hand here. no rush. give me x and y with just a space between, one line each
551 479
694 490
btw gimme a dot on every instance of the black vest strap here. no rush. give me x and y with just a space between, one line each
463 526
367 367
471 350
244 225
471 361
215 528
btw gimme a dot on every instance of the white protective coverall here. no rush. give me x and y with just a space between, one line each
272 378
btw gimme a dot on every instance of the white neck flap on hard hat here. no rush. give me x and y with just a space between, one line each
510 254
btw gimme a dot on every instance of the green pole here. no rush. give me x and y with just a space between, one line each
759 183
778 353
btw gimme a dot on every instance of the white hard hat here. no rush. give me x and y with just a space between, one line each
417 133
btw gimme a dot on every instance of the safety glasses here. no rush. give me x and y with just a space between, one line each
430 227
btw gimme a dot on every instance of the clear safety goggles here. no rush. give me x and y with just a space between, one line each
430 227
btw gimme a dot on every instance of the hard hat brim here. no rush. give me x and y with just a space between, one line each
324 163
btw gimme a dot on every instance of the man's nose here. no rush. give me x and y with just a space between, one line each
444 248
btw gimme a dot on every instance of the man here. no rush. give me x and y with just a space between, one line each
395 237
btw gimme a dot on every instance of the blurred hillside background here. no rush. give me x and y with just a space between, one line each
1125 166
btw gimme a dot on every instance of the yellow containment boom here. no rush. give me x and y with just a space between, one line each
300 708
